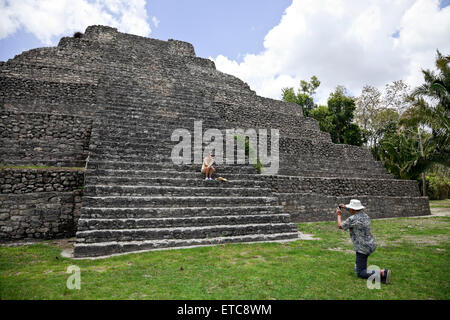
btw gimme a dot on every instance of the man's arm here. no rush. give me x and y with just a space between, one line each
339 221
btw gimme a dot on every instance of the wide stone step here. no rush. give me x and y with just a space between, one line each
133 128
326 171
167 180
157 109
152 122
165 131
140 145
331 163
116 247
156 154
139 223
163 110
321 149
338 173
149 166
207 191
173 201
197 232
169 117
123 156
167 212
173 174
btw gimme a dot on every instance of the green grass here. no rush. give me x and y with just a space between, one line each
440 203
416 249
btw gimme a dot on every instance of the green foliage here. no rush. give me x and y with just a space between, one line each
429 111
438 182
438 187
401 154
339 119
336 118
249 152
411 142
324 117
304 96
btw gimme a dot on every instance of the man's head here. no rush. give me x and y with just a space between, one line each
354 206
211 154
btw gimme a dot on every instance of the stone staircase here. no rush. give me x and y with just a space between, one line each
136 199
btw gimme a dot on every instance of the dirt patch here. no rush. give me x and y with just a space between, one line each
440 211
64 243
420 223
423 240
342 250
60 243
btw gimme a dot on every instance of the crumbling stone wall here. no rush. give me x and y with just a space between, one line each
39 215
29 125
21 181
39 203
321 207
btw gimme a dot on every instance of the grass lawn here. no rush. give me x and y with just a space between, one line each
416 249
440 203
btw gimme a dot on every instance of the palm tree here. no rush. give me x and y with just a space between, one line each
436 86
431 109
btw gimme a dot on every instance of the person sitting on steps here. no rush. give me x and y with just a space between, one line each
363 241
207 166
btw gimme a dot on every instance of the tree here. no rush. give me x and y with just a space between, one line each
397 96
304 96
335 118
342 107
437 86
401 153
430 109
324 117
366 105
372 106
385 121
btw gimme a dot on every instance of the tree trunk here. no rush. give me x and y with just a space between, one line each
424 181
424 184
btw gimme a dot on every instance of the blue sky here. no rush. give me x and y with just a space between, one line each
231 28
270 44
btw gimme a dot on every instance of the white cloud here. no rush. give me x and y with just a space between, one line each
49 19
346 42
155 22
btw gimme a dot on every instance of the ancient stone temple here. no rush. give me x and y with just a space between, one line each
106 104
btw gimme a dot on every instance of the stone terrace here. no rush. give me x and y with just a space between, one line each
110 101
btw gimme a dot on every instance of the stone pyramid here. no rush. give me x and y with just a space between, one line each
124 95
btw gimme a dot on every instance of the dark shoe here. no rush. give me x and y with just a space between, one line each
386 278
